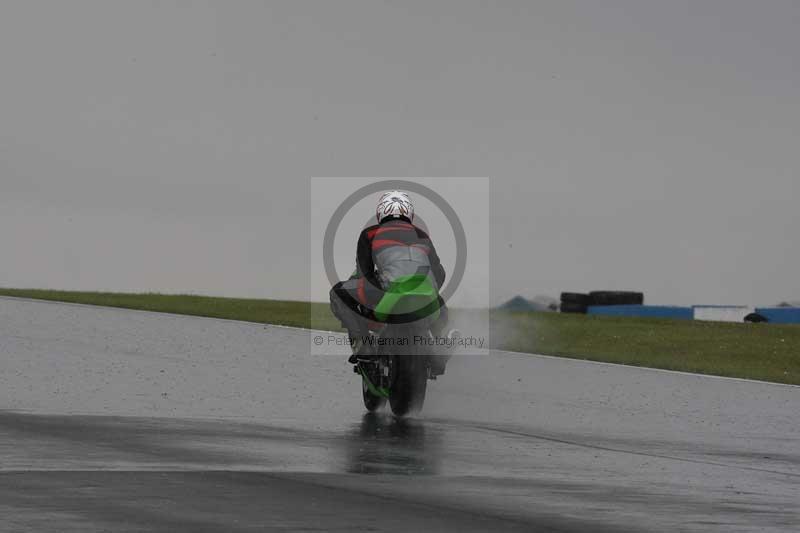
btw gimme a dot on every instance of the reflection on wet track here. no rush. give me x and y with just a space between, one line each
383 444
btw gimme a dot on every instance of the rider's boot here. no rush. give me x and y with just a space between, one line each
358 346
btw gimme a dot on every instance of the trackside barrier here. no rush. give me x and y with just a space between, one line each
721 313
774 315
780 315
652 311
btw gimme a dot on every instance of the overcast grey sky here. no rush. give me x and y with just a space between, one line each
168 145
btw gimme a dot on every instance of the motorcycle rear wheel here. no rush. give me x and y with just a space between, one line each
409 383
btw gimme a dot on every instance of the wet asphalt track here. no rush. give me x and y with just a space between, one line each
114 420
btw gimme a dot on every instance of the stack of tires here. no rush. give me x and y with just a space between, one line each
616 298
576 302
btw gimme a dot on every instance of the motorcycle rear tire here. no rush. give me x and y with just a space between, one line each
407 393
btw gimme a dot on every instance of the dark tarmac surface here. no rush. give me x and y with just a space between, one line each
387 481
114 420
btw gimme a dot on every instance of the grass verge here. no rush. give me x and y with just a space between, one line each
756 351
768 352
282 312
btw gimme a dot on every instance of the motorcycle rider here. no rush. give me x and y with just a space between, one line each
392 248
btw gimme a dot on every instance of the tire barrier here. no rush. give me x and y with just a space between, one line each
574 298
568 307
616 298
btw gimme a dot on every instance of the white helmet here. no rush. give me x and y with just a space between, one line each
394 204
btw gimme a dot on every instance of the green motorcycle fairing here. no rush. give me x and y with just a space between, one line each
413 296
